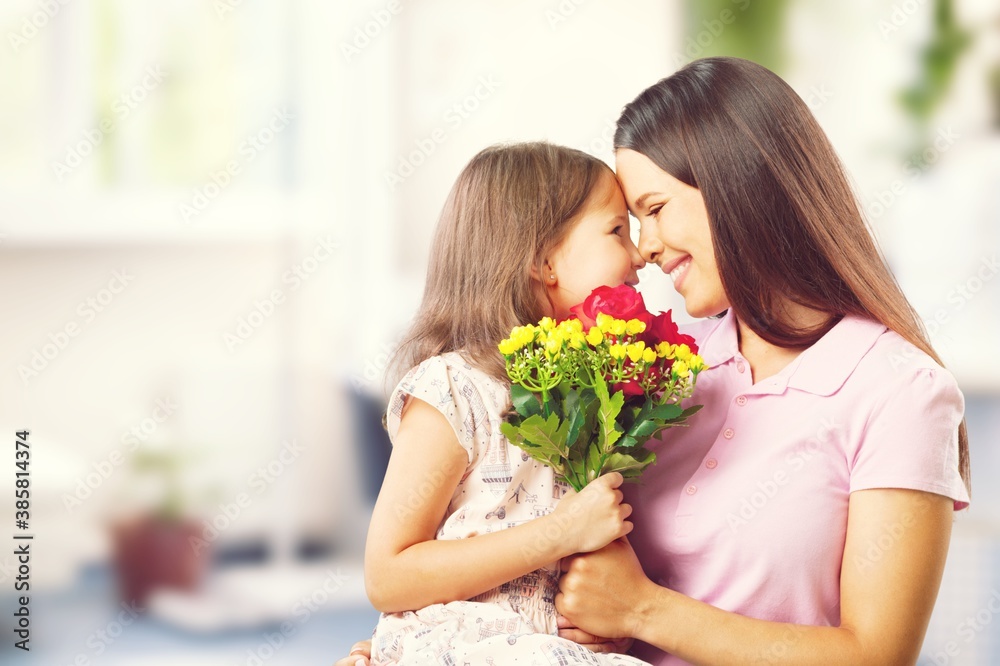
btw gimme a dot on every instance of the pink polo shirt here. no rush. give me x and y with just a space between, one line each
746 509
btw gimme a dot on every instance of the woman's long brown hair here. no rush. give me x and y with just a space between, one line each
511 205
785 222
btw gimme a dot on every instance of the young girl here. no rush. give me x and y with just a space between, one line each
465 539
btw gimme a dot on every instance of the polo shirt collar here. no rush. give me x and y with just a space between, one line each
821 369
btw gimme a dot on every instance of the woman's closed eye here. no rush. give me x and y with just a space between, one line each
654 211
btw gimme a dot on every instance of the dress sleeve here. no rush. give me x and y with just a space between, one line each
911 437
445 388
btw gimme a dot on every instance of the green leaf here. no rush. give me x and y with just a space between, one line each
595 461
610 407
626 442
629 465
512 433
524 401
643 428
548 434
574 413
690 410
665 412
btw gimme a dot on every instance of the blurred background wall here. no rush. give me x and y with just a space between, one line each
214 223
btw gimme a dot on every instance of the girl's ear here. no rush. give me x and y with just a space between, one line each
545 274
543 279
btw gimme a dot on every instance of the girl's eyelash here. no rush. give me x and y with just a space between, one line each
654 211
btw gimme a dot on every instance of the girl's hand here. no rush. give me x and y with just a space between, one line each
593 517
360 655
603 591
593 643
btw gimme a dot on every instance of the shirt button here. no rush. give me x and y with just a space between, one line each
711 463
691 490
742 400
740 367
728 433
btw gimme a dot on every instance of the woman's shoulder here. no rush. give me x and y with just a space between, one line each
892 355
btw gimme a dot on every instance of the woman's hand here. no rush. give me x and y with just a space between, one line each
593 643
360 655
604 591
594 517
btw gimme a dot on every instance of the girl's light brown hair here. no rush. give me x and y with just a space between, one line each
785 223
510 207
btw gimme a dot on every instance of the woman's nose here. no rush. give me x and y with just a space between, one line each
650 248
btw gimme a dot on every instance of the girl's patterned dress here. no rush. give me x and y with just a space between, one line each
502 487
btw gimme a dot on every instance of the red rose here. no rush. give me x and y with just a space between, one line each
663 329
621 302
628 389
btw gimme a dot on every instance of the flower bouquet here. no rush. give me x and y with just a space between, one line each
589 391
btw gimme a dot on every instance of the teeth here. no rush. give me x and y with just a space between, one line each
676 273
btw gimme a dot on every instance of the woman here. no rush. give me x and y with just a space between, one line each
805 515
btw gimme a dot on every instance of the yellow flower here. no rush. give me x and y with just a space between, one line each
594 336
618 326
633 326
553 347
682 352
507 347
617 351
696 363
605 322
681 369
634 350
648 355
664 350
577 340
547 324
572 326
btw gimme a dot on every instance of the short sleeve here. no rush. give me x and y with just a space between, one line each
911 437
444 387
